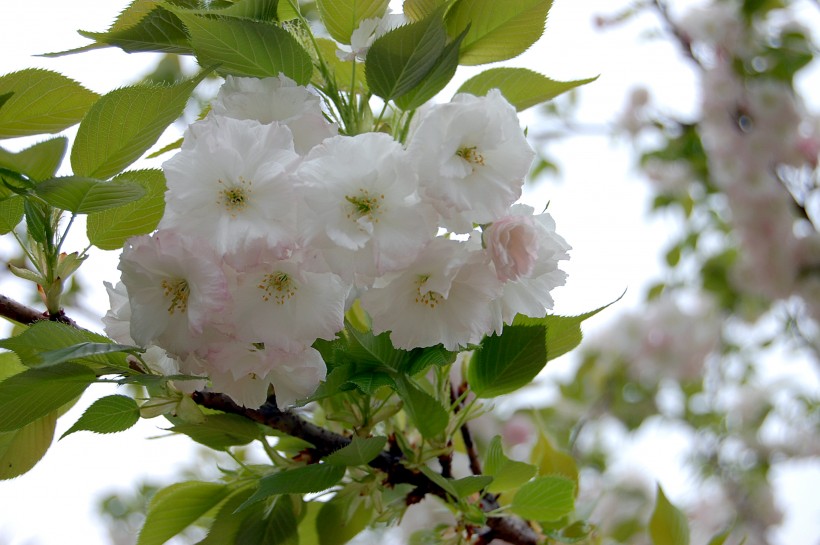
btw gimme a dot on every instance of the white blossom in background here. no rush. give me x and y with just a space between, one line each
366 33
664 340
472 158
276 100
231 183
176 286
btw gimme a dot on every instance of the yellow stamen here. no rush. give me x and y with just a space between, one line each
177 290
278 286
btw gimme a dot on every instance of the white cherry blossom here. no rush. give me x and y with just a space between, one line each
231 183
472 158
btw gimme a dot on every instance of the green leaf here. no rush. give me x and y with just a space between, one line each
508 361
85 195
544 499
108 414
359 452
123 124
21 449
158 30
337 523
507 474
436 79
247 48
176 507
375 349
83 350
400 59
227 523
563 332
422 359
416 10
467 486
109 229
46 336
342 17
429 416
34 393
302 480
277 526
521 87
368 382
551 461
668 525
38 220
39 161
258 10
497 30
445 484
220 431
42 102
11 213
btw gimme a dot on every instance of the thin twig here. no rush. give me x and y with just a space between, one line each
20 313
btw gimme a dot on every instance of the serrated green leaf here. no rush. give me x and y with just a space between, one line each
85 195
416 10
258 10
337 523
302 480
108 414
563 332
368 382
507 474
39 161
11 213
220 431
83 350
400 59
342 17
375 349
45 336
545 499
38 221
5 97
34 393
521 87
276 525
436 79
445 484
109 229
359 452
157 30
42 102
467 486
497 30
551 461
176 507
247 48
21 449
428 415
227 523
668 525
508 361
422 359
123 124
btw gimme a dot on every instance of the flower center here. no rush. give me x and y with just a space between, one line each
278 286
364 204
428 298
177 291
234 198
471 155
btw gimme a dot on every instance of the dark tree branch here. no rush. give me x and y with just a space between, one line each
11 309
466 436
510 529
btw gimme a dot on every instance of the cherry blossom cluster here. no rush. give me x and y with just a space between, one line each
275 225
